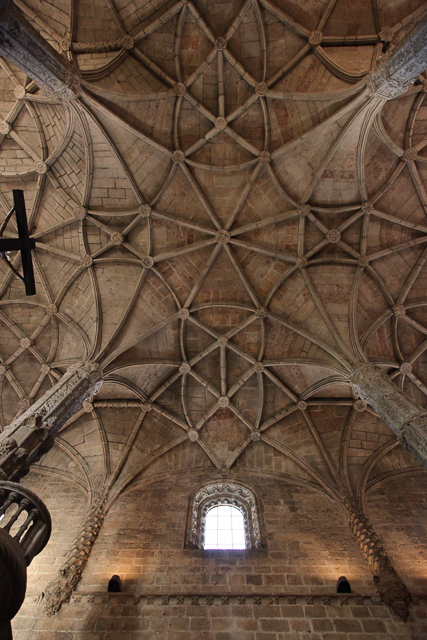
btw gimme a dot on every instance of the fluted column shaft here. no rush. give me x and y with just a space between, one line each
407 419
33 433
22 45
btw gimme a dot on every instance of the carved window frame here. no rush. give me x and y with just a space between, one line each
223 493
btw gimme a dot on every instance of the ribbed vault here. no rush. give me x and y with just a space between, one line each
229 224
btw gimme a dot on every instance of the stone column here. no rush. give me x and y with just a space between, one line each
407 419
390 587
60 589
33 433
400 67
24 47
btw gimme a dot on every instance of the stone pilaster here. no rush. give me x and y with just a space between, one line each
33 433
408 420
390 587
24 47
60 589
400 67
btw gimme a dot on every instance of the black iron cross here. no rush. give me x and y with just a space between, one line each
23 243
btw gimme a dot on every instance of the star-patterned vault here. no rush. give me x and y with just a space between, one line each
228 222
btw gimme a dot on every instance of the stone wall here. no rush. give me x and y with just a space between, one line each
113 617
146 529
400 524
67 504
285 591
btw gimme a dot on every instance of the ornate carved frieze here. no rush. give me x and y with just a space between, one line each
24 47
390 587
33 433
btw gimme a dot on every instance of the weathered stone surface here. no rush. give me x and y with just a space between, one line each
60 589
402 64
22 45
404 417
392 590
33 433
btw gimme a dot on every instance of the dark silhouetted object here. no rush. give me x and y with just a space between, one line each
25 529
343 585
115 585
23 243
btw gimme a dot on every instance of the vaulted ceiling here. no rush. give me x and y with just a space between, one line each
228 223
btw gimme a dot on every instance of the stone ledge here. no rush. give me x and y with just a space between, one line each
352 600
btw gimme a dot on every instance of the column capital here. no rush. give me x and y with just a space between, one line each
33 433
407 419
399 68
22 45
372 384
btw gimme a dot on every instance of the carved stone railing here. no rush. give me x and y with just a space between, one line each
32 434
25 528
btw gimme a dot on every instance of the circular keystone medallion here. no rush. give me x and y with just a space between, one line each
117 238
367 207
399 310
40 167
127 42
222 236
333 236
315 38
5 127
144 210
261 312
261 89
410 155
148 262
360 406
178 156
221 124
264 157
184 314
220 43
87 261
180 89
80 212
19 92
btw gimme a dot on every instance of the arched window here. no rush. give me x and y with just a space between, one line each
224 516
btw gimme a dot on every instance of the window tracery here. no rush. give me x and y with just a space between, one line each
224 493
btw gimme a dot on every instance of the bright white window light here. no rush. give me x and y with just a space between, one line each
224 528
